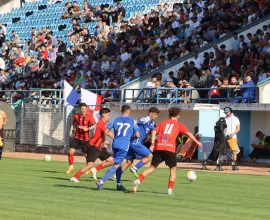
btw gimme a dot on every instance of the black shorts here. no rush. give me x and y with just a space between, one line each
78 144
93 153
160 156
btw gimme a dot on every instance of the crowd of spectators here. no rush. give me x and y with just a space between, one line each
228 73
122 49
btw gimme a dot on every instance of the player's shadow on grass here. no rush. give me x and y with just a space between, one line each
71 186
91 188
46 171
56 178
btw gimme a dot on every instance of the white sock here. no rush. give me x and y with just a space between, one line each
170 190
137 181
135 168
101 182
93 169
119 184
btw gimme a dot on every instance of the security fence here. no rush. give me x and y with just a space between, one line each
48 125
42 125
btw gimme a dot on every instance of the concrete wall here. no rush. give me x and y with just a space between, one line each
259 121
264 91
7 7
189 118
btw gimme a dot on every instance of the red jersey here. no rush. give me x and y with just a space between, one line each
86 121
99 135
167 132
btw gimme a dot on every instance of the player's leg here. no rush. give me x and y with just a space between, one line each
170 161
73 146
1 142
234 147
118 158
157 159
84 146
144 153
92 154
172 180
105 163
129 160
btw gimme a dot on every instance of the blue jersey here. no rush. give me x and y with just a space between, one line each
145 125
124 128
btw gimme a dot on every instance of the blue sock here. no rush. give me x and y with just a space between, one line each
118 175
109 173
139 165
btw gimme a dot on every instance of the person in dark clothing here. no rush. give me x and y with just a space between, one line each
114 15
262 149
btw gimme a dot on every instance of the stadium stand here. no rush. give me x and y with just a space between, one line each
107 44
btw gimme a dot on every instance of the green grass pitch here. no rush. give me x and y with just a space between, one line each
38 190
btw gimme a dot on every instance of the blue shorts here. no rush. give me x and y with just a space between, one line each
119 155
137 151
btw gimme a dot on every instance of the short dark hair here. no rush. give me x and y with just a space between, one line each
104 111
174 111
83 105
125 108
259 133
153 110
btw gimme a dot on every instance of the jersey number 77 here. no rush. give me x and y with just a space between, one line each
123 127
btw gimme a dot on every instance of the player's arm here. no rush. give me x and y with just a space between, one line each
72 126
109 133
266 142
136 129
236 131
192 137
153 140
92 127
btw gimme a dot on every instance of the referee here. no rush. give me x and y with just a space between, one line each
3 122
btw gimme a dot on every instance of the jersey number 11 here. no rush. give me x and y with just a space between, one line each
168 128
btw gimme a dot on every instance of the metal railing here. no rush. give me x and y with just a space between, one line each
51 96
164 95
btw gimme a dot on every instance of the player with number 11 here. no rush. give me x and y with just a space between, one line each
164 148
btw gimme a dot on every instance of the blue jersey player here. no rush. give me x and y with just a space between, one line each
137 149
124 128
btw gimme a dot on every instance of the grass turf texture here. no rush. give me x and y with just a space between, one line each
31 189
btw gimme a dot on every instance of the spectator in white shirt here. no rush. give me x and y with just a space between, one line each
235 41
197 60
105 64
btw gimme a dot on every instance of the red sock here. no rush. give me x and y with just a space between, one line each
171 184
78 174
141 178
70 159
99 167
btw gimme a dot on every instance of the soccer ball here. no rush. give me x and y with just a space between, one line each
191 176
47 157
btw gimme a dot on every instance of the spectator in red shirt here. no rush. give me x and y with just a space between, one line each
19 61
44 53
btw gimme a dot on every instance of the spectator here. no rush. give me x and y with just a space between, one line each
3 34
121 11
262 149
248 94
